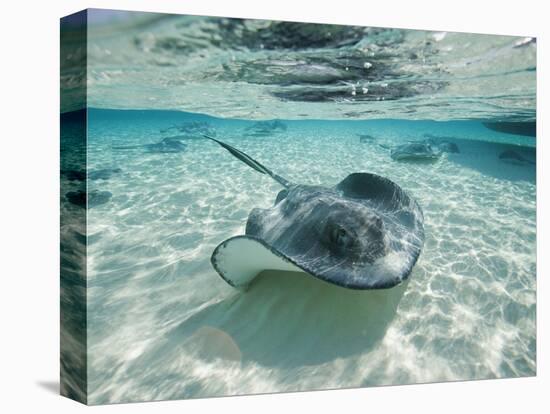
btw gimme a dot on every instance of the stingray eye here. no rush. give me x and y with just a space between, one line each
340 237
289 206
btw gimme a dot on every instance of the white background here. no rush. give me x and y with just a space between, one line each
29 194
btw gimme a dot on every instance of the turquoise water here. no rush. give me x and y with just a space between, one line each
162 324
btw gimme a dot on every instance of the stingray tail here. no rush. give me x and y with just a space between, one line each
251 162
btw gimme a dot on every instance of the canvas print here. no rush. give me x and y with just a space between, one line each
256 206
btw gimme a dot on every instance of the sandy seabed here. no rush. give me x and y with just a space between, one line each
163 325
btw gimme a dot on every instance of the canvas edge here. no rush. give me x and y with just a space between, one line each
73 223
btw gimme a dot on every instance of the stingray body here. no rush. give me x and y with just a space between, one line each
166 146
263 128
92 199
74 175
363 233
513 157
517 128
442 143
366 139
449 147
103 174
415 151
191 129
80 175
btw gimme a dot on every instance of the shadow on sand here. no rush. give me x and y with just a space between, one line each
484 157
284 320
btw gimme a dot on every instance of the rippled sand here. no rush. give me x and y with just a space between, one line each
162 324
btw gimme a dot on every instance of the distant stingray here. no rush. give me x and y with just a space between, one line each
103 174
166 146
262 128
74 175
191 129
517 128
449 147
444 144
414 151
513 157
185 137
80 175
366 139
95 198
363 233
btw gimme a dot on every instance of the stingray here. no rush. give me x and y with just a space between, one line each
414 151
442 143
103 174
167 145
448 146
74 175
512 157
263 128
185 137
190 126
363 233
80 175
517 128
95 198
365 138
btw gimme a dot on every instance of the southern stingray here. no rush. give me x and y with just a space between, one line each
414 151
166 146
363 233
366 139
444 144
263 128
514 157
192 128
91 199
80 175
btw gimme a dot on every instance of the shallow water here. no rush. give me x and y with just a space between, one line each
162 324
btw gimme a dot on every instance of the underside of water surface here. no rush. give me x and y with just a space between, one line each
261 69
314 103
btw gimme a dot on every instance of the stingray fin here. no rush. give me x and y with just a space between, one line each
251 162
